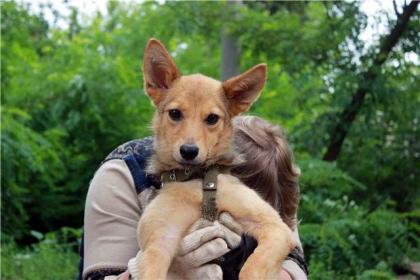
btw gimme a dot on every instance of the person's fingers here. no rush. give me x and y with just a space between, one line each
232 238
133 265
227 220
208 271
200 223
124 276
197 238
206 253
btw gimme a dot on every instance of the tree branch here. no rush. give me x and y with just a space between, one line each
394 3
339 133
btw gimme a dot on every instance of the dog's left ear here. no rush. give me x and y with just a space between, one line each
159 69
241 91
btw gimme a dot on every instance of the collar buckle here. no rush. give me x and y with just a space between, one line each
172 175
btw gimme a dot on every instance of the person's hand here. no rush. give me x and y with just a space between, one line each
205 242
232 230
207 271
284 275
124 276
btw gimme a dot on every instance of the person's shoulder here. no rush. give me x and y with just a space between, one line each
135 155
140 149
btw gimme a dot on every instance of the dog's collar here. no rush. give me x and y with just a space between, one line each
209 176
182 175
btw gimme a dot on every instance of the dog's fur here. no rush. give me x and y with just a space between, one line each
177 206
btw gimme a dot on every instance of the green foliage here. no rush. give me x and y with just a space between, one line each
32 167
71 95
63 112
342 238
48 259
327 178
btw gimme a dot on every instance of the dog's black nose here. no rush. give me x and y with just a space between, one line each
189 151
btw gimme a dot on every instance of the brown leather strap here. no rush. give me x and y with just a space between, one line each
209 207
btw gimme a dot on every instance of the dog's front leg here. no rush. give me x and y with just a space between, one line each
162 225
261 221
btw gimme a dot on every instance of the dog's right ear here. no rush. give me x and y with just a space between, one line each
159 69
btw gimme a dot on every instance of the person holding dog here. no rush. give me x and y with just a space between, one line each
121 189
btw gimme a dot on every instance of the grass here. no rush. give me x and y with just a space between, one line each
42 261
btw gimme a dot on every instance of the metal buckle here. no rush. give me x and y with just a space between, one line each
172 175
187 171
210 186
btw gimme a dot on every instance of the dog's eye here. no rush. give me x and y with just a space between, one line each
212 119
175 114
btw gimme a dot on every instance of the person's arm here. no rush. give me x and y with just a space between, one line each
112 212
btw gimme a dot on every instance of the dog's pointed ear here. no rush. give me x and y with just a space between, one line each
241 91
159 71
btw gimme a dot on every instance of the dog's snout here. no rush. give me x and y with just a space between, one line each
189 151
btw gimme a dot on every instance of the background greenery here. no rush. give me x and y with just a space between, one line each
70 95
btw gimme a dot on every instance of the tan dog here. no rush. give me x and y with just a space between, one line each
193 128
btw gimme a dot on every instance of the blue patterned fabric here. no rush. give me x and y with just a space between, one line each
136 153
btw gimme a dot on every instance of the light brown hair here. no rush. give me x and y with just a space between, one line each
268 167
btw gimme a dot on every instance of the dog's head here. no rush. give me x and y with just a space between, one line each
192 123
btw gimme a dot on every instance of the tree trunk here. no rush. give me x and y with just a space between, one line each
230 56
230 52
347 117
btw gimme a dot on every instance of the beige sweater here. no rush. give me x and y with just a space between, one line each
112 212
